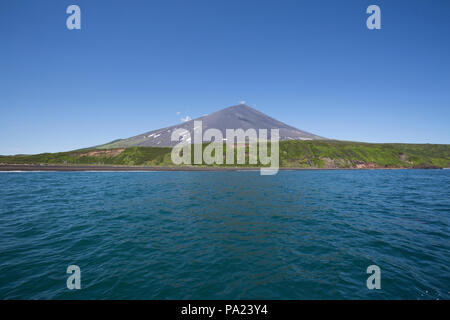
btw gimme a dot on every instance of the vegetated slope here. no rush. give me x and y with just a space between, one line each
294 154
346 154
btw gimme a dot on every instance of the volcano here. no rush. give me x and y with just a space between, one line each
240 116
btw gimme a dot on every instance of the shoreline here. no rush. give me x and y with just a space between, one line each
107 168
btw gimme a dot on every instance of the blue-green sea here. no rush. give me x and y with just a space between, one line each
225 235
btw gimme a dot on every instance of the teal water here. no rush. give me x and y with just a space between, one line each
225 235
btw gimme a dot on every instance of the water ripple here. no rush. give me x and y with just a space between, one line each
225 235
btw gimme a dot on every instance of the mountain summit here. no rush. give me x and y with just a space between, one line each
240 116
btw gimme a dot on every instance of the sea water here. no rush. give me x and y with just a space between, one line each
225 235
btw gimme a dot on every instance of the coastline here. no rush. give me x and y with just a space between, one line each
106 168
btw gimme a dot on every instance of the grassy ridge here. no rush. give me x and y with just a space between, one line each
304 154
326 153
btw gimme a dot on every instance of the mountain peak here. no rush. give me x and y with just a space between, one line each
238 106
240 116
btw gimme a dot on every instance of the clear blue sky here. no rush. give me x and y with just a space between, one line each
135 64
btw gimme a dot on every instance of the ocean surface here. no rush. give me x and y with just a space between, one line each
225 235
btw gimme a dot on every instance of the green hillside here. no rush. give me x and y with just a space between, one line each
296 154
